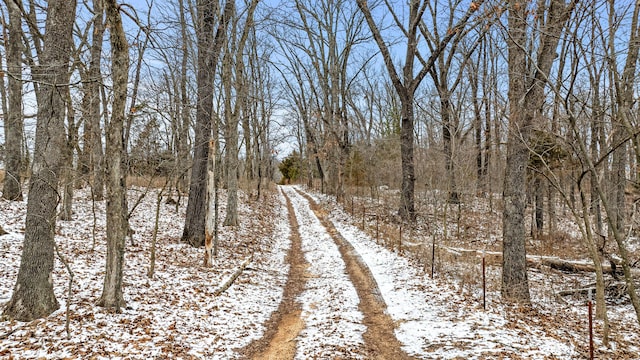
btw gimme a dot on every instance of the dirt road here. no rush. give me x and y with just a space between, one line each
332 307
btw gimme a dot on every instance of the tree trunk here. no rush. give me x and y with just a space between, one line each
618 176
538 201
240 109
231 140
208 52
231 116
407 209
515 285
527 80
33 296
68 174
93 129
185 113
448 139
117 225
13 129
211 218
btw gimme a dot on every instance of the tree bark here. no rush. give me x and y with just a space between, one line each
33 295
208 53
185 113
93 157
13 129
68 173
526 95
117 225
231 117
407 209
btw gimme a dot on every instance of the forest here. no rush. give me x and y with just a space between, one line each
280 179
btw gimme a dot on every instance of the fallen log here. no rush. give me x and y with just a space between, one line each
227 283
495 258
616 290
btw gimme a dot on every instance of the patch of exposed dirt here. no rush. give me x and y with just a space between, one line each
286 323
380 339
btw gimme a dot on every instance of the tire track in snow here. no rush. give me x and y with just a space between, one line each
379 337
334 324
285 324
434 322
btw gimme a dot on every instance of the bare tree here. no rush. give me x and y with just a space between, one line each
528 74
235 61
117 224
92 159
13 129
208 52
406 85
455 55
33 296
325 36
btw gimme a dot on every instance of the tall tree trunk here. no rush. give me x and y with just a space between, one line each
618 176
448 138
13 129
407 209
93 147
240 109
185 113
538 200
527 80
68 173
117 225
33 295
231 162
211 218
477 122
231 116
208 52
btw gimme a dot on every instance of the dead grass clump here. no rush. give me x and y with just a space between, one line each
146 181
1 176
559 243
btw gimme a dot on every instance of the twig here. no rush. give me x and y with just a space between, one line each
66 265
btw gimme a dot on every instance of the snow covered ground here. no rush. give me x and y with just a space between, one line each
175 315
330 302
436 322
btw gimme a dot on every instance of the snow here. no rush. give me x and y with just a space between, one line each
330 301
435 322
175 315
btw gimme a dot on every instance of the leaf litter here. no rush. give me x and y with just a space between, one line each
175 315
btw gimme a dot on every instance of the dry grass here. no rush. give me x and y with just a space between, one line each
1 176
146 181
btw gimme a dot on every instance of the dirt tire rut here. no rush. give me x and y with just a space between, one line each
285 324
380 339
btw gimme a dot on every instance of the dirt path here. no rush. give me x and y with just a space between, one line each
380 339
286 323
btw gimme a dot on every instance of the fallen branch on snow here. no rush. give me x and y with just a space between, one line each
227 283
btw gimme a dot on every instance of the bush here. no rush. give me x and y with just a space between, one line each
291 168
